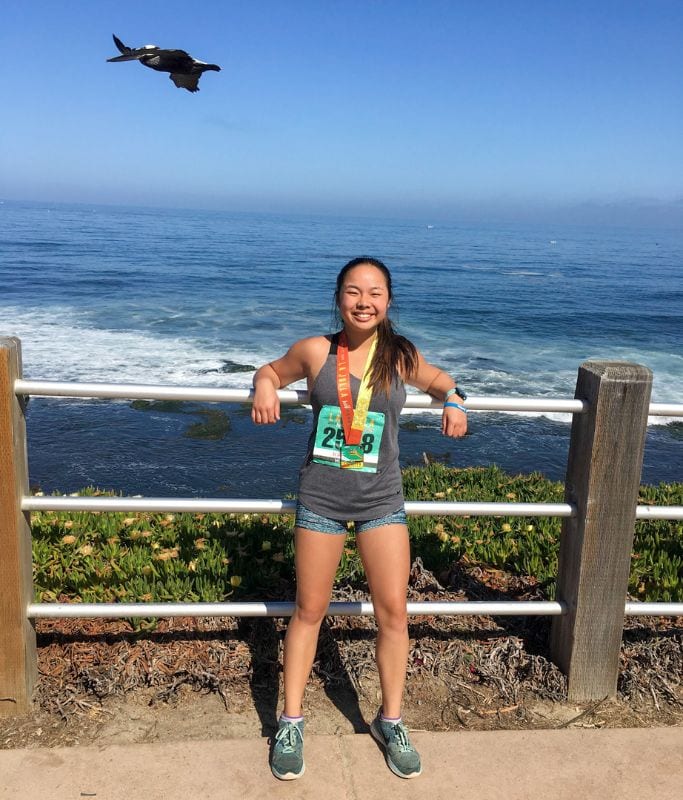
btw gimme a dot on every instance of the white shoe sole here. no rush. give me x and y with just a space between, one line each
288 776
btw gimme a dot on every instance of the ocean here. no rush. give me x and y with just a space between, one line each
199 298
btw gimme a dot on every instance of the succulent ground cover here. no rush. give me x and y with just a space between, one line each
108 557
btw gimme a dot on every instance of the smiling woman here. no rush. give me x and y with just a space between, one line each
356 380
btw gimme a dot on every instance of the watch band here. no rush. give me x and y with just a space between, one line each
456 390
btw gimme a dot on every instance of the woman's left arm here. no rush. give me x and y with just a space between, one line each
438 384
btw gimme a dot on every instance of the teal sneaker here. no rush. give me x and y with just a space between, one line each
287 755
402 758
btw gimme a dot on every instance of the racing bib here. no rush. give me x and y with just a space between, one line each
330 448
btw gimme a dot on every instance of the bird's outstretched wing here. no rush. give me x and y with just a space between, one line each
131 53
189 82
121 46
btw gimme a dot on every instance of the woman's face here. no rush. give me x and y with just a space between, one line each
363 298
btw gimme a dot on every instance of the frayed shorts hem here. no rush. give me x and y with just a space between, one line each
305 518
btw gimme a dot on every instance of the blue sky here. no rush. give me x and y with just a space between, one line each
470 108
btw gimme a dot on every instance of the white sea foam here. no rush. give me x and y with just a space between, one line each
62 345
58 345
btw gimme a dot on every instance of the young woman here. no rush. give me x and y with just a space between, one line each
351 472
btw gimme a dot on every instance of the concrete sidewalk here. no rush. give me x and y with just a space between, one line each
643 763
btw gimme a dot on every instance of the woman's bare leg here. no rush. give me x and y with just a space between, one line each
317 556
385 552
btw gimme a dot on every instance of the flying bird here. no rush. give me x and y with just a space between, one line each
185 70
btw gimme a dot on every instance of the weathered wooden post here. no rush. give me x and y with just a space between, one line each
603 477
18 665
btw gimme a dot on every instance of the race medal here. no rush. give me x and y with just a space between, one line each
345 437
351 456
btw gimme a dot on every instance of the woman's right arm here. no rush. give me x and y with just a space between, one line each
293 366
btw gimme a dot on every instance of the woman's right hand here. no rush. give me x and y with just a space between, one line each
266 407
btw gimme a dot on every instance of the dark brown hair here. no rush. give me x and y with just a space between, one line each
395 355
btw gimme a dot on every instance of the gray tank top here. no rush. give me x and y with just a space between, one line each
347 494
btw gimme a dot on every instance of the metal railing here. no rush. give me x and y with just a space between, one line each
142 391
611 398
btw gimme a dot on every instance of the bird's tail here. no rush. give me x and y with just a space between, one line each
127 57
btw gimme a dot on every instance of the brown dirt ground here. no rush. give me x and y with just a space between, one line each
105 682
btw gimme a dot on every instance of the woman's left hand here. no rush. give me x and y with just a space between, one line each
453 422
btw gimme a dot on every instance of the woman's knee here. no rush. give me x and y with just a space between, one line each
310 612
392 618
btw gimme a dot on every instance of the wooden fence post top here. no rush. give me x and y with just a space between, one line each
625 371
12 343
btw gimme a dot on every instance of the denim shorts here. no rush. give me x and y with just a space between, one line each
305 518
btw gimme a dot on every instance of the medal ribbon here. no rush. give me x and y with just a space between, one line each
353 420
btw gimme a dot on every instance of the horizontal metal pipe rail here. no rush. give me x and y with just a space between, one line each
180 505
513 608
413 508
287 396
135 391
286 609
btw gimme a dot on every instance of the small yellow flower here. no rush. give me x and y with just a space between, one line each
511 496
146 570
170 552
192 566
455 539
113 540
145 598
199 544
69 524
506 527
170 517
529 528
449 490
128 521
235 581
439 494
443 536
439 528
225 561
39 494
265 545
86 550
68 539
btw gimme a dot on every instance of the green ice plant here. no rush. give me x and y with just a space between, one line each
145 557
